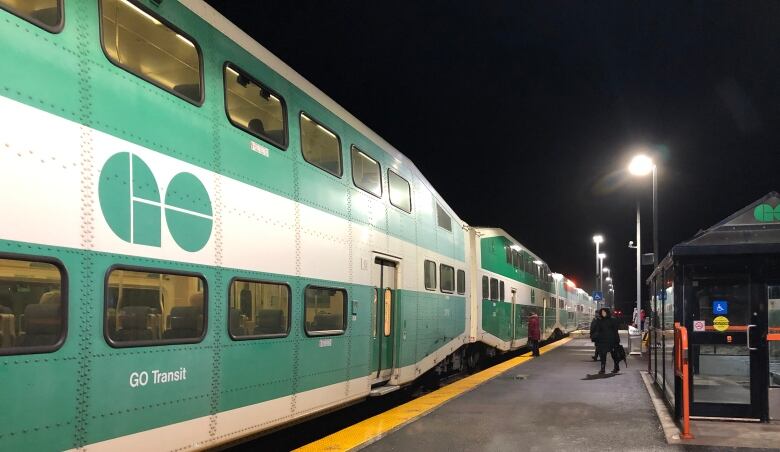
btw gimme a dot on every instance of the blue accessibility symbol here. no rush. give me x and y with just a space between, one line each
598 296
720 307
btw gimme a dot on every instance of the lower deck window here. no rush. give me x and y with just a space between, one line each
447 278
44 13
326 310
259 309
148 308
32 306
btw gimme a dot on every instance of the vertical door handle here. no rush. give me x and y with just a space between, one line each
748 338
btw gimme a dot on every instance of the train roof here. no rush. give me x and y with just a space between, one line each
229 29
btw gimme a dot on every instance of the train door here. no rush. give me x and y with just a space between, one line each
729 363
513 316
383 306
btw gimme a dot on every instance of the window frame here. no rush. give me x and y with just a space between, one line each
352 149
173 27
251 337
285 119
303 113
38 349
344 316
492 298
501 290
458 288
485 287
56 29
435 279
161 342
439 212
442 267
389 196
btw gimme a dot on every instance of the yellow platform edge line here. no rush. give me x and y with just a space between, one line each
372 429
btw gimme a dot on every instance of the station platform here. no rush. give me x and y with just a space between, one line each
557 401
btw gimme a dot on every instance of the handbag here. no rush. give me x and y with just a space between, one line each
620 354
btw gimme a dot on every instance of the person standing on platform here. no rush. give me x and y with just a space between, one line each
593 326
607 338
534 335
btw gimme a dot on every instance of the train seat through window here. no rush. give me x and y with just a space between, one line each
185 322
134 324
270 321
42 325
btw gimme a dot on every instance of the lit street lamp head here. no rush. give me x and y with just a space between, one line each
602 256
598 239
641 165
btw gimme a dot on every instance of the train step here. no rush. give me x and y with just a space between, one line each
382 390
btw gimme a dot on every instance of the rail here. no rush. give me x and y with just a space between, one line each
681 369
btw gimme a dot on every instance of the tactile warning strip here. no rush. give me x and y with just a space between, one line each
372 429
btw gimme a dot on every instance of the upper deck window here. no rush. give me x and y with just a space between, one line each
400 191
366 172
444 220
136 40
46 14
320 146
254 108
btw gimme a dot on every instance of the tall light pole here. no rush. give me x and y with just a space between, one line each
642 165
598 239
601 257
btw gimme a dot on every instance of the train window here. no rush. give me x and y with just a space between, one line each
508 251
138 41
501 294
444 220
485 288
400 191
429 275
320 146
258 309
46 14
150 308
32 306
493 289
366 173
326 310
254 108
461 282
447 278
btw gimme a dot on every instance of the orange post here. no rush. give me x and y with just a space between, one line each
681 370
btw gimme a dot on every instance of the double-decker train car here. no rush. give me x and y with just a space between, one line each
198 245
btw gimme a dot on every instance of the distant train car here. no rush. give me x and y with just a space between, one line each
198 245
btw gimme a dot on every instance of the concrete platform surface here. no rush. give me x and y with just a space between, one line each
556 402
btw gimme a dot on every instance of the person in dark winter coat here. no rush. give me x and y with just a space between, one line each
534 335
607 338
593 325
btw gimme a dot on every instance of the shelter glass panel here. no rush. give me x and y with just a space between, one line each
138 41
326 310
253 107
149 307
31 306
773 295
258 309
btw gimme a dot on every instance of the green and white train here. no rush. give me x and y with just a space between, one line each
197 245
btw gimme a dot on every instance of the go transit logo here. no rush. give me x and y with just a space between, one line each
131 204
766 213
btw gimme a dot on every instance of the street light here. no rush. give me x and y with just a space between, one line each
598 239
642 165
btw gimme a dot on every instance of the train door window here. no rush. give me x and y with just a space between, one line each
320 146
326 310
253 107
148 307
366 173
501 294
442 218
493 289
461 282
258 309
485 288
447 278
32 306
429 275
400 191
46 14
140 42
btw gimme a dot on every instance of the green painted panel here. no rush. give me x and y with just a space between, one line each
496 319
493 258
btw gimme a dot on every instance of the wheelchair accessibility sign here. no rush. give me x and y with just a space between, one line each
720 307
